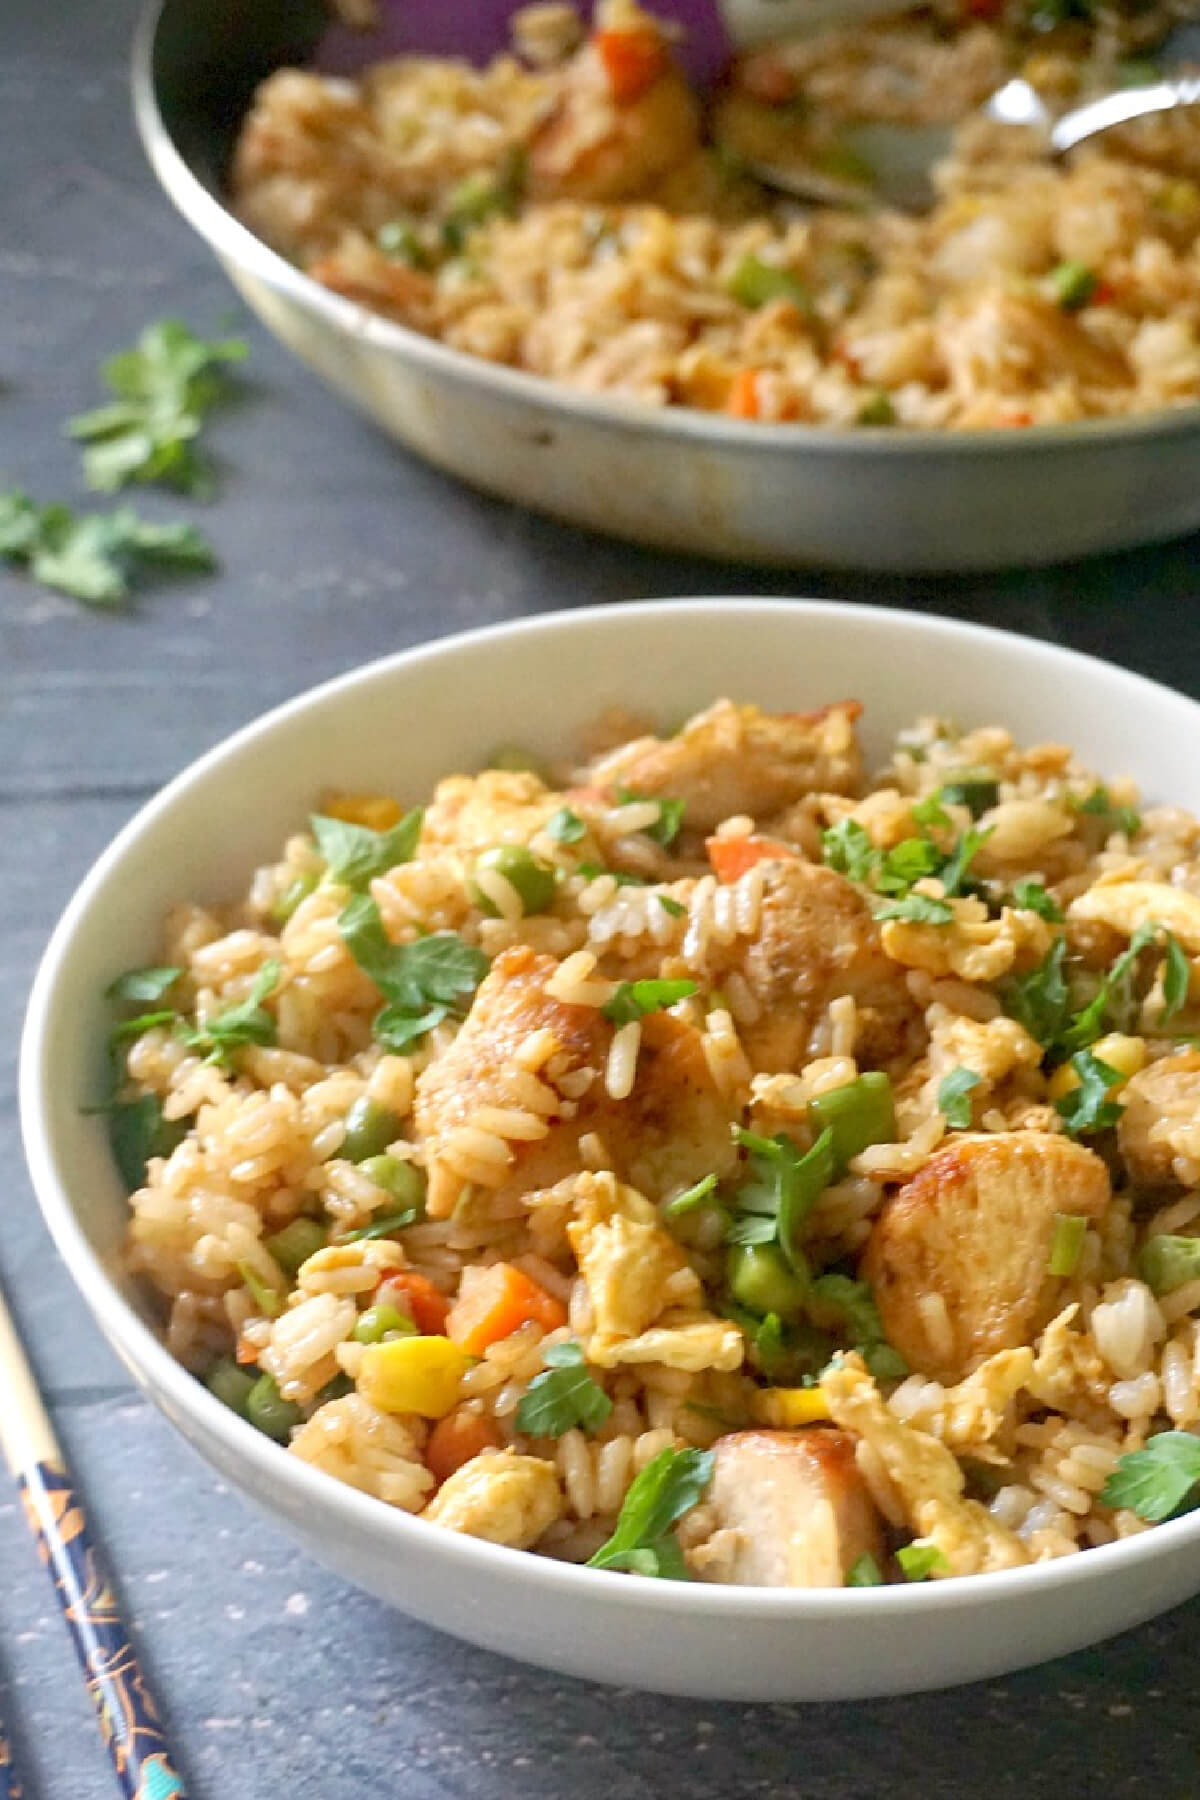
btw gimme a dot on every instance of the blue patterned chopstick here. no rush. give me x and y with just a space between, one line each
129 1722
12 1786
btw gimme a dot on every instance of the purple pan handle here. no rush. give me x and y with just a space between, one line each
478 29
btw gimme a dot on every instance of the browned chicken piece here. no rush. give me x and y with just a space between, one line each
817 940
737 759
624 119
791 1510
1159 1131
673 1128
958 1259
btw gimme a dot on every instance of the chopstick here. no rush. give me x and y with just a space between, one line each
12 1786
125 1707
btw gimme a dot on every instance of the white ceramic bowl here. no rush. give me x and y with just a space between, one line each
399 724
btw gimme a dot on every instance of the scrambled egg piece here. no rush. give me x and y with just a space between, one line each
971 946
1068 1367
505 1498
1159 1130
637 1277
925 1475
968 1416
1124 905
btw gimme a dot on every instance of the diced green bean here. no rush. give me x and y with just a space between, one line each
761 1280
231 1384
402 1180
861 1113
370 1128
380 1322
296 1242
532 881
269 1412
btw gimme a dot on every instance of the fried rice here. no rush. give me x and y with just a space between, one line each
581 214
708 1159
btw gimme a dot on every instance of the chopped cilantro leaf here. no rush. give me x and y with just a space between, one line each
930 810
354 855
634 999
1117 818
977 792
961 857
669 1485
383 1227
840 1303
163 388
565 827
781 1188
142 987
1088 1107
593 871
917 909
953 1098
563 1396
247 1023
422 982
1176 977
1040 1001
137 1131
670 815
907 862
1031 896
847 849
670 905
1157 1481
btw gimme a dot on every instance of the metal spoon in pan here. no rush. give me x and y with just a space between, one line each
902 157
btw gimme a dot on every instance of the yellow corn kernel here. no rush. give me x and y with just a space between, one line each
1127 1055
785 1407
413 1374
378 812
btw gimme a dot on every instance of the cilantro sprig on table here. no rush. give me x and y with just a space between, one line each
97 557
162 391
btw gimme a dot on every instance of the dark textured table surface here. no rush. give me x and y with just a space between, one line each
335 548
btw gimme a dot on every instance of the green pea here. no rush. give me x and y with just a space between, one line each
380 1322
230 1384
295 1243
518 761
402 1180
370 1128
761 1280
295 891
534 881
269 1412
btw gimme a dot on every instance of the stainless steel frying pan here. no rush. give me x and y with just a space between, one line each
787 494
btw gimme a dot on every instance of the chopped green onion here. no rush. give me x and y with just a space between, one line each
861 1113
385 1227
690 1199
865 1572
378 1323
917 1561
268 1302
878 410
753 283
295 1243
1066 1246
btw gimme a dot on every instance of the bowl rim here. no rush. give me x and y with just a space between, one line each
177 1392
236 243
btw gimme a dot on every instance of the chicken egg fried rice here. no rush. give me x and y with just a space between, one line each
577 211
706 1160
